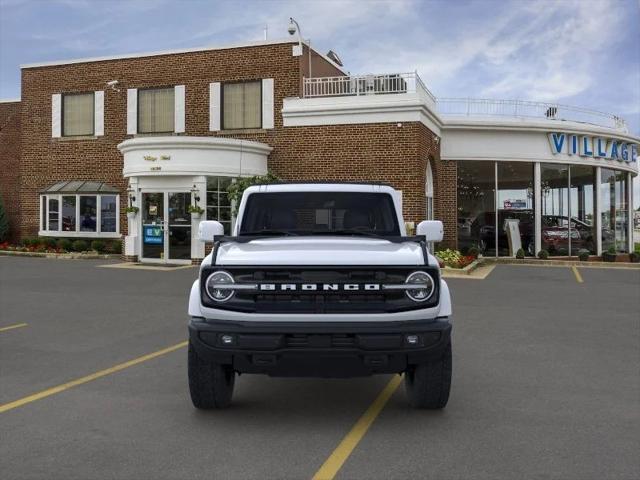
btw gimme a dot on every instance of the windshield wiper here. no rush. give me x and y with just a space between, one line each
348 231
257 233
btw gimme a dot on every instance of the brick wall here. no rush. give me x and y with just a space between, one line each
368 152
10 163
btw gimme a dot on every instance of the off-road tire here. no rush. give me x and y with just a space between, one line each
210 384
428 384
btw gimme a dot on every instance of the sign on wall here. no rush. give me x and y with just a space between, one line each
590 146
152 235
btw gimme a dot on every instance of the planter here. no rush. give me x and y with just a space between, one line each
131 216
196 216
634 257
609 257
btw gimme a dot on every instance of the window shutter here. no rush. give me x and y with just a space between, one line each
267 103
98 112
214 106
178 110
56 115
132 111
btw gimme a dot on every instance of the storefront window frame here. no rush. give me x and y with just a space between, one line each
44 215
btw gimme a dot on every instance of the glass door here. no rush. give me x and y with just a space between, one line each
179 244
153 214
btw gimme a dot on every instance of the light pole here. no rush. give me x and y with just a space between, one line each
293 28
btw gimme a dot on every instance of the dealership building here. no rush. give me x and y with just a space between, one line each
164 131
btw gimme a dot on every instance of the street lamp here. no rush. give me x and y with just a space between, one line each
292 29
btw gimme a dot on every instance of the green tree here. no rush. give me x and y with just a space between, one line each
237 188
4 222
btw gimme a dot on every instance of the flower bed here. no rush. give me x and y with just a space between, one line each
454 259
63 245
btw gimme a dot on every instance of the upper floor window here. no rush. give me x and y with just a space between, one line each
242 105
78 114
156 112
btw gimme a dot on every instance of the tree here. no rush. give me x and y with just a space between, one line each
237 188
4 222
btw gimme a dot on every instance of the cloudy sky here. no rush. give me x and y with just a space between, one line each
578 52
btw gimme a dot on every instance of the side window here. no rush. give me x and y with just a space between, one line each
242 105
78 114
156 112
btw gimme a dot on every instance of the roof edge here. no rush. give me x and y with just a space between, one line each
10 100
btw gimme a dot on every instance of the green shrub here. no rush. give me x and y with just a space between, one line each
634 257
98 245
237 188
583 254
449 257
115 246
474 252
636 247
611 250
47 242
28 242
520 253
65 244
543 254
80 246
562 252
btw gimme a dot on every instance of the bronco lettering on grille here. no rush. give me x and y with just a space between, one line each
312 287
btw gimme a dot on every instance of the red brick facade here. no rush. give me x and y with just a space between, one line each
10 163
383 152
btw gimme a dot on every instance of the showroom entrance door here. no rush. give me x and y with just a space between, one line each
166 227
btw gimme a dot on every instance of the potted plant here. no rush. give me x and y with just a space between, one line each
195 211
520 254
610 255
583 255
543 254
131 212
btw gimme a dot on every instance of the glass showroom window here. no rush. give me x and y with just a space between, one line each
156 110
614 210
218 203
242 105
582 207
516 221
477 206
77 114
79 215
555 230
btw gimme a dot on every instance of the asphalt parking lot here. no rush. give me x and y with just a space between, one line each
546 384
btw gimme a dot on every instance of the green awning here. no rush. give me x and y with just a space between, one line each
80 186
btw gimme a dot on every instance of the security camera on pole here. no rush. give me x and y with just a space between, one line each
297 49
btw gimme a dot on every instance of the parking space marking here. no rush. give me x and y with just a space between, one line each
11 327
577 274
334 463
94 376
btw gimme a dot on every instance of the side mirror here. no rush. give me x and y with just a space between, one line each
433 230
209 229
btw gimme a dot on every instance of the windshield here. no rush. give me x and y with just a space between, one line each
319 213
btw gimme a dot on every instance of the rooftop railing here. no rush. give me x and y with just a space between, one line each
356 85
399 83
526 109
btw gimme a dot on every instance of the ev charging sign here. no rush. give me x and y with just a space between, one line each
596 147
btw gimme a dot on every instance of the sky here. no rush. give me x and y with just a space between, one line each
577 52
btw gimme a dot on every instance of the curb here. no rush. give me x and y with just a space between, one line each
561 263
63 256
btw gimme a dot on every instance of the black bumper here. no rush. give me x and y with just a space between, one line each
304 349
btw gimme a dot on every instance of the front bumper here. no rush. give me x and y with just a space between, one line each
305 349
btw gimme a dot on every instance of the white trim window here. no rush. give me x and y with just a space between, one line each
218 203
156 110
429 191
80 215
78 114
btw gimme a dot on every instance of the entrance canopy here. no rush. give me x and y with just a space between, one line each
80 186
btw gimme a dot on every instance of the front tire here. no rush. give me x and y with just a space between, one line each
428 384
210 384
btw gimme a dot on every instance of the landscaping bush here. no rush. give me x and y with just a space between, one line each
115 246
562 252
65 244
29 242
634 257
520 254
98 245
47 242
543 254
610 255
80 246
473 252
449 257
583 254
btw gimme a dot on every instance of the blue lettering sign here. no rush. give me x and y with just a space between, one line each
624 152
557 142
573 146
601 151
634 153
586 148
153 235
613 154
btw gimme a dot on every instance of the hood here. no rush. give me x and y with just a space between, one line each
321 251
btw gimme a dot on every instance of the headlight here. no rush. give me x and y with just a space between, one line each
424 286
219 286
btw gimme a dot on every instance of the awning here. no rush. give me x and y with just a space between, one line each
80 186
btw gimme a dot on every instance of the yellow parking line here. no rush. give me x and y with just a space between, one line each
74 383
11 327
332 465
577 274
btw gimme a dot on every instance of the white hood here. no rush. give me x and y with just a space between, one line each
321 251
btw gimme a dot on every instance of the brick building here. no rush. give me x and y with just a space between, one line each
166 130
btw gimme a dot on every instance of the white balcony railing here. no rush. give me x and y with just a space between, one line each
355 85
526 109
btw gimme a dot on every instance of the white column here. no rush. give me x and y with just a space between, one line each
197 247
537 208
598 212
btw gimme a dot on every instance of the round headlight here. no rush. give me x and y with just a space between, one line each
219 286
425 289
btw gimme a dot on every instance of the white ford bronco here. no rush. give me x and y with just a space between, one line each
320 280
